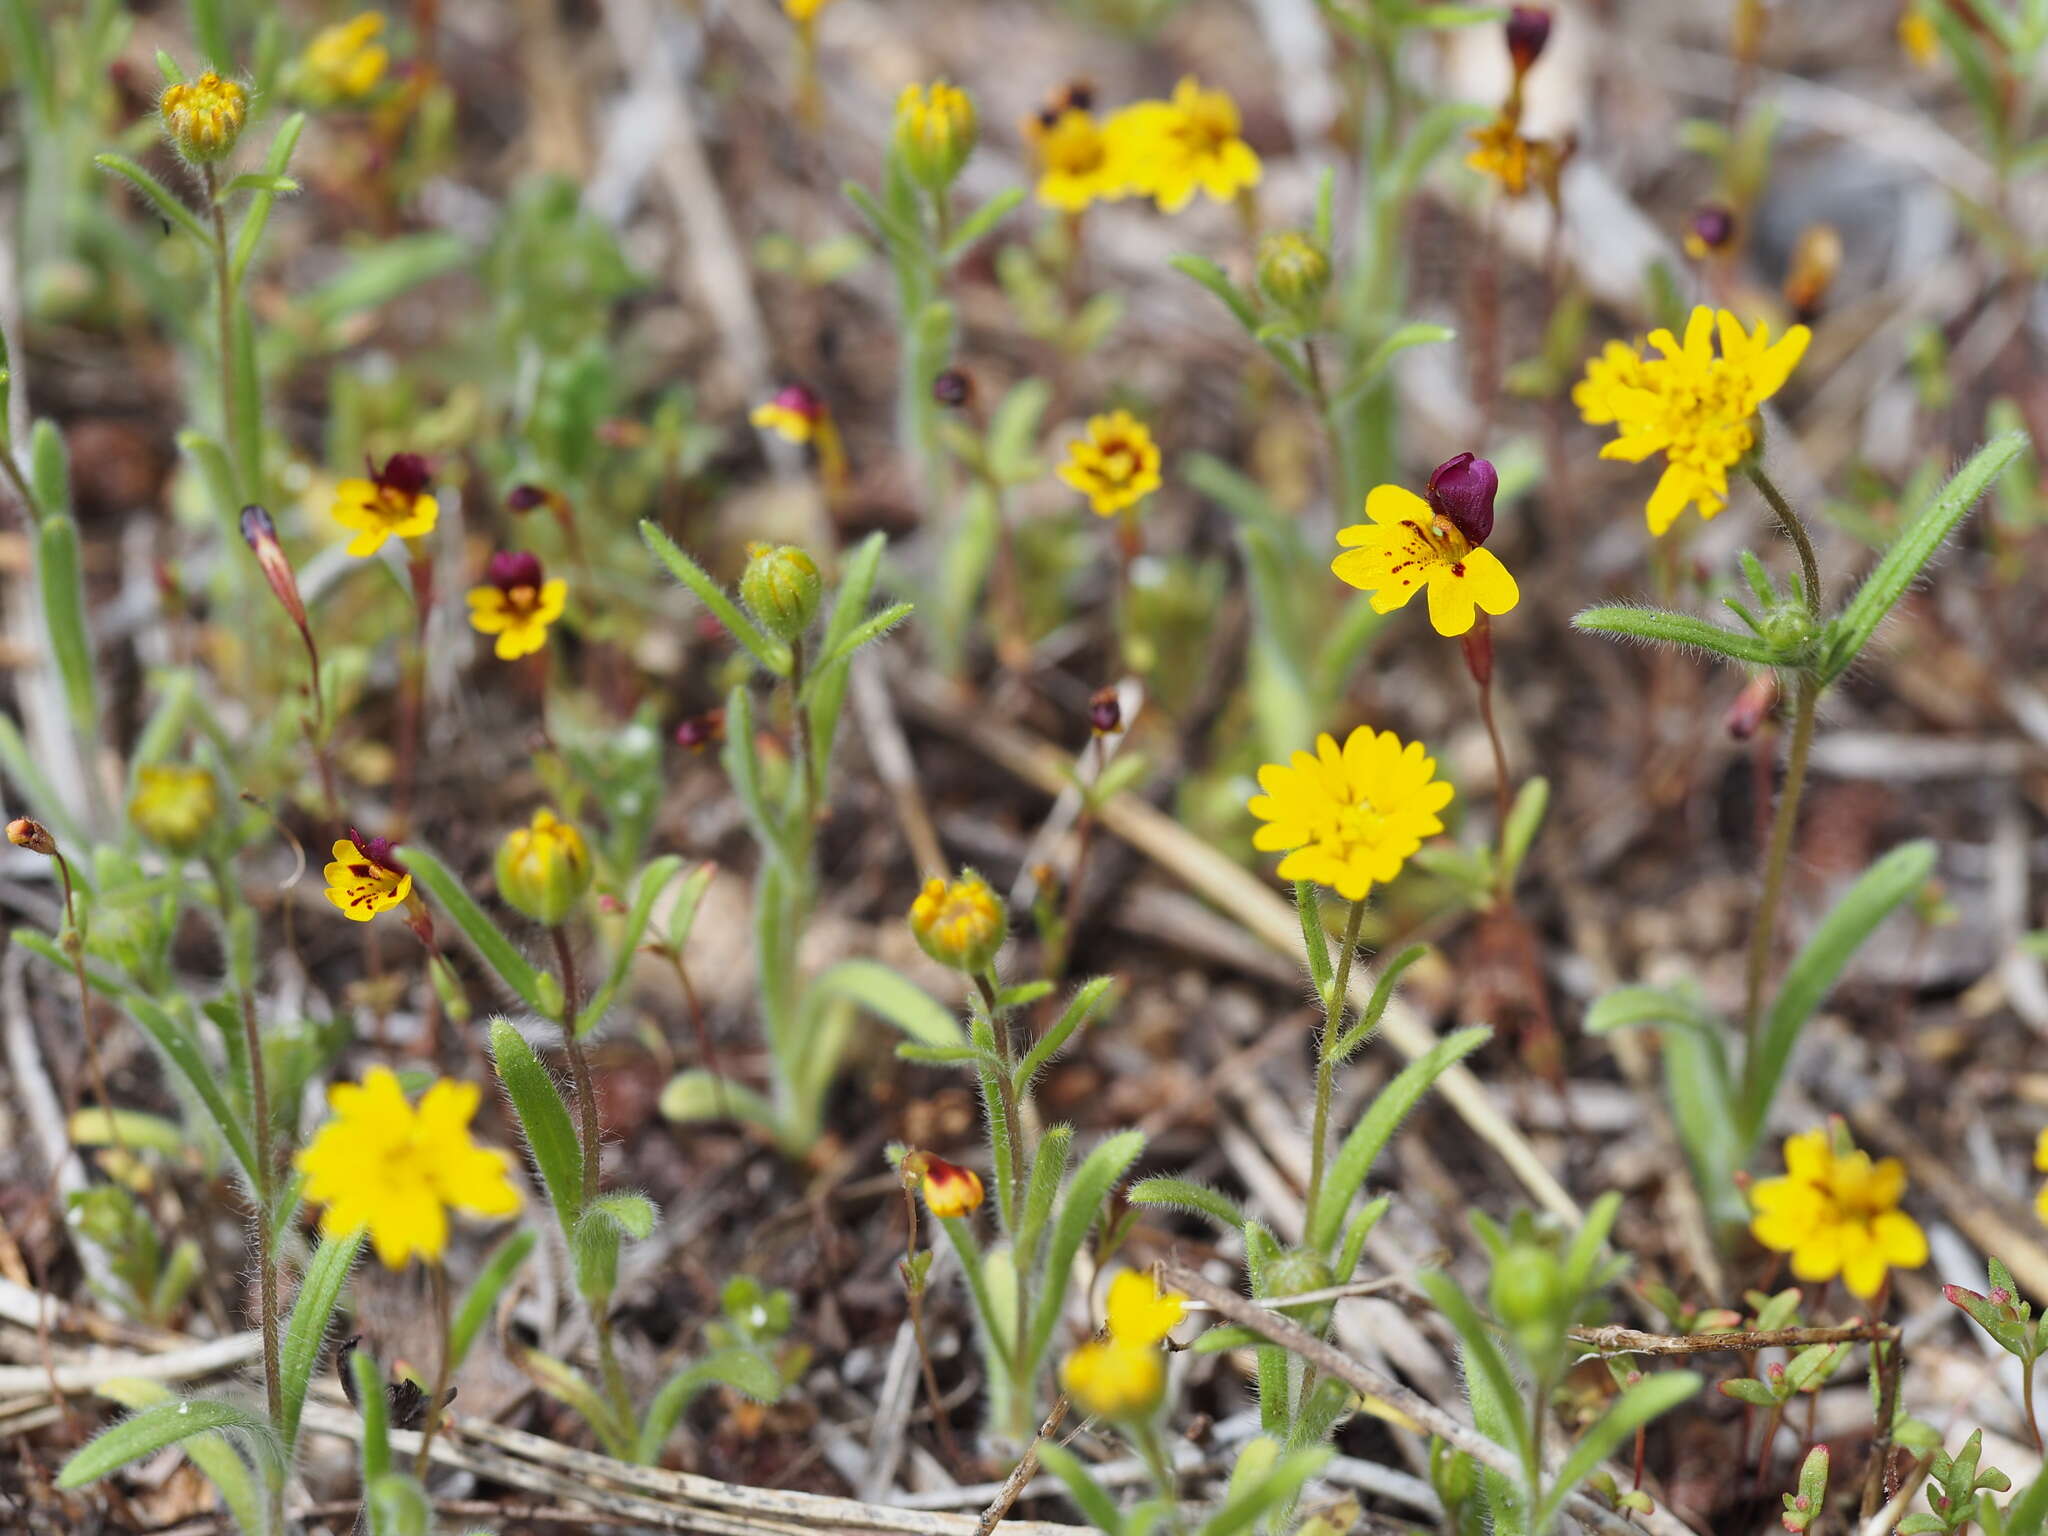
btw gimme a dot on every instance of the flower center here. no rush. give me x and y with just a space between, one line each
1119 462
522 599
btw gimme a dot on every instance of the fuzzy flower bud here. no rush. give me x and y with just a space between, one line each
202 118
936 130
1293 271
961 925
1710 231
1105 712
1461 492
543 868
949 1190
1528 30
260 533
953 389
781 588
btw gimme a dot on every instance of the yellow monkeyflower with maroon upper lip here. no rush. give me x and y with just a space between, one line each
1836 1212
1410 543
1115 464
392 502
366 877
516 604
1188 144
949 1190
396 1169
345 62
1351 816
1695 408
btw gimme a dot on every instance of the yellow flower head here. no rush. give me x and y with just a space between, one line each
1138 1312
1501 153
1115 465
392 503
794 414
1408 544
1076 166
397 1169
1917 38
345 62
2041 1165
1189 144
935 132
203 117
366 877
173 805
1697 409
1349 816
543 868
961 924
1837 1213
1109 1379
949 1190
516 604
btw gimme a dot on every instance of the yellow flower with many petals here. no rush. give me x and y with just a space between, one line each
202 118
961 924
1115 464
1696 408
393 502
396 1169
345 62
366 877
1191 143
1836 1212
1076 161
1408 544
1349 816
173 805
516 604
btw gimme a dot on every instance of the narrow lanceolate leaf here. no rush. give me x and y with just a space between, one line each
63 595
1184 1195
484 1291
1086 1197
306 1333
773 655
1663 627
1636 1406
741 1369
544 1119
165 201
155 1428
211 1453
653 879
1907 558
453 897
1874 896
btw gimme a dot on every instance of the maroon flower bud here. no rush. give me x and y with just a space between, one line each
953 389
510 568
799 400
1752 706
380 851
1461 492
1528 30
525 498
406 473
1105 712
32 835
261 535
701 731
1712 227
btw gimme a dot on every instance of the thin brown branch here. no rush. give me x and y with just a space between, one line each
1628 1341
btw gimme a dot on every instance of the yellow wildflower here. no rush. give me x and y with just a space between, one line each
1139 1312
935 132
516 604
543 868
1349 816
1191 143
1409 543
398 1169
1836 1212
1123 1376
961 924
393 502
366 877
1076 165
173 805
203 117
345 62
802 11
2041 1165
1697 409
1499 151
949 1190
1918 39
1115 465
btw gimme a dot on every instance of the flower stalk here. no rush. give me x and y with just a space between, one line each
1334 1002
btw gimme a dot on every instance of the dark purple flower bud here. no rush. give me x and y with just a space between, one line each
701 731
1713 226
380 851
511 568
261 534
405 473
953 389
1105 712
1461 492
1528 30
525 498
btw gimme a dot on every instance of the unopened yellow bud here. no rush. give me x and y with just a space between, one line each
202 118
962 924
174 805
1294 271
781 588
936 130
543 868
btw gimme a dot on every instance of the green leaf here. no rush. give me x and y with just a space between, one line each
699 1095
565 1384
1376 1007
653 879
1048 1171
594 1245
1376 1128
250 235
1483 1357
375 1409
1637 1007
63 596
543 1119
453 897
866 632
1096 1506
1353 1246
211 1453
1185 1195
1375 362
166 202
741 1369
976 226
483 1293
397 1506
1013 431
1680 629
1883 887
305 1334
1077 1013
1315 937
1636 1406
1217 281
772 654
2027 1515
890 996
1851 629
1086 1195
154 1429
1525 820
1747 1389
1267 1494
380 272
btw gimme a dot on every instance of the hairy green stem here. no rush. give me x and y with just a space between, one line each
224 282
1778 854
1795 530
1326 1063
